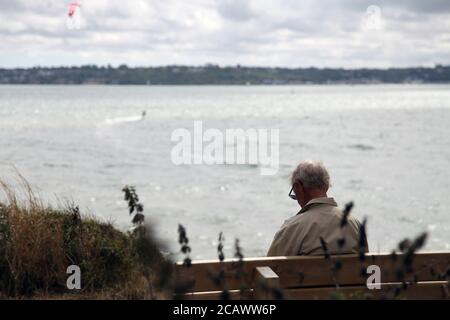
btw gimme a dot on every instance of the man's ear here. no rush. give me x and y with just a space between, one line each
298 186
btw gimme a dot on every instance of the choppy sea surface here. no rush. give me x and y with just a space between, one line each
387 148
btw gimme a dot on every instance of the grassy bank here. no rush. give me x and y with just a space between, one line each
38 243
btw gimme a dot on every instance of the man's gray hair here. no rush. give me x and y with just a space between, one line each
312 174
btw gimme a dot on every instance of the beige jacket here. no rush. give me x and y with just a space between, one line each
320 217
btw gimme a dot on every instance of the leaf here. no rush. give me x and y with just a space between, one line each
346 213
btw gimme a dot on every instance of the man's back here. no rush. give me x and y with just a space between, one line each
300 235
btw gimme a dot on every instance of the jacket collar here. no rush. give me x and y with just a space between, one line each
324 200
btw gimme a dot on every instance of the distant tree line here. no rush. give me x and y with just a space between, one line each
216 75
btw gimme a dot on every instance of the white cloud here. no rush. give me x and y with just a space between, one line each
252 32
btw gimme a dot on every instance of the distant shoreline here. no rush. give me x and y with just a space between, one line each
230 85
216 75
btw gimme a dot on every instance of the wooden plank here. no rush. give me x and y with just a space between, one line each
305 271
436 290
421 291
217 295
266 282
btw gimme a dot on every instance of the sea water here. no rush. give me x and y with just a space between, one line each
387 148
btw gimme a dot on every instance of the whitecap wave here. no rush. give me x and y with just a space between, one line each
120 120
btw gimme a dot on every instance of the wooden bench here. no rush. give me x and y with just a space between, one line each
316 277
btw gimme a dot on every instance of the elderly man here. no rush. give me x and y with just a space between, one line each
319 217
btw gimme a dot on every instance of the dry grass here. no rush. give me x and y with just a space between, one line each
38 243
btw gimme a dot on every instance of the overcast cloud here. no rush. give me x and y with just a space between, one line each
291 33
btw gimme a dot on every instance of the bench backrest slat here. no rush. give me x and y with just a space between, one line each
309 271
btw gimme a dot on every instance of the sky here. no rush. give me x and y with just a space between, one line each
284 33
